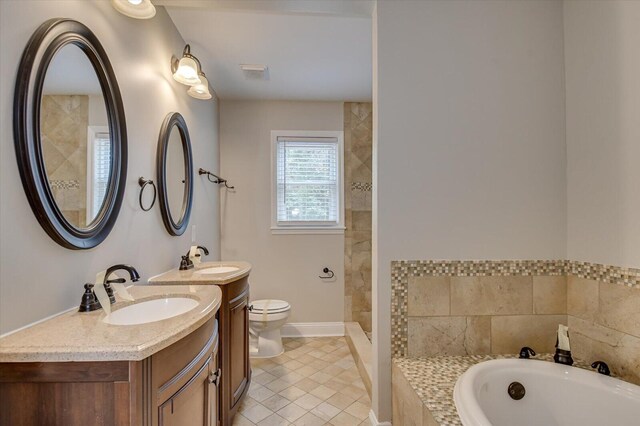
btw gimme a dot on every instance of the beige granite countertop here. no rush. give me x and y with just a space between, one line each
83 336
192 276
433 379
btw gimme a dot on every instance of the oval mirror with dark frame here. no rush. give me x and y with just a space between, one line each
70 134
175 174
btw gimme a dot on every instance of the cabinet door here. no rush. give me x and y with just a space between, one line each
191 405
239 346
214 390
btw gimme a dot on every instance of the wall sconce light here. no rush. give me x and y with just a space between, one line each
138 9
187 69
200 90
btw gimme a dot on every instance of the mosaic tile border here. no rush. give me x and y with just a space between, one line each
433 380
629 277
64 184
362 186
402 270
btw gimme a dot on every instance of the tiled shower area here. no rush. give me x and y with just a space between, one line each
358 128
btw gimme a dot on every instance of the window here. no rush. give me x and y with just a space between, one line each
307 182
98 170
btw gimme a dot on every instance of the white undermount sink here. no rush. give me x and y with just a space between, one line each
217 270
151 311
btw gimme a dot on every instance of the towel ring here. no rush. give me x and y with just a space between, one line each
143 183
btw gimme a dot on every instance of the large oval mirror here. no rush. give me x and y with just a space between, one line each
70 134
175 170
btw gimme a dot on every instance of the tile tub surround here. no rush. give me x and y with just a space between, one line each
481 307
358 151
83 336
191 276
604 323
423 387
315 382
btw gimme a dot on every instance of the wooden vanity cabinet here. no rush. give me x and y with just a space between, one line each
175 386
234 347
184 380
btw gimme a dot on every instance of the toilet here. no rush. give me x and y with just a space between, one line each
266 318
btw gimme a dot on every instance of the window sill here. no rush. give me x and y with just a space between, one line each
307 230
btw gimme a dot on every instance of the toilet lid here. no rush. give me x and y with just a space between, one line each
271 306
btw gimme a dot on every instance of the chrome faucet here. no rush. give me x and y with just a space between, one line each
133 275
186 263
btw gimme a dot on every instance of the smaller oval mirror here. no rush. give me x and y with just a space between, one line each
175 170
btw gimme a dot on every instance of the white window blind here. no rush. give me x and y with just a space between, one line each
307 181
101 170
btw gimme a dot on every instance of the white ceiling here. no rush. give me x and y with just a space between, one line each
70 73
315 50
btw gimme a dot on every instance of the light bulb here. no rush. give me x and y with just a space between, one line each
187 72
200 90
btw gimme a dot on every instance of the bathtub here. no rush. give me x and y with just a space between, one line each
554 395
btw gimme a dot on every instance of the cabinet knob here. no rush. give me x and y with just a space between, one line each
214 377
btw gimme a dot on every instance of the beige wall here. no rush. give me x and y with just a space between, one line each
469 141
38 277
603 129
358 126
284 266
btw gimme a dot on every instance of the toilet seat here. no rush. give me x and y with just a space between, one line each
269 306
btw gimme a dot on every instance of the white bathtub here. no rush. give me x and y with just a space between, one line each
555 395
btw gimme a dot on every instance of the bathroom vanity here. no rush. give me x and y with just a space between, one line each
233 318
76 369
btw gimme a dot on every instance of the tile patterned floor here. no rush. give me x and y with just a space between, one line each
314 383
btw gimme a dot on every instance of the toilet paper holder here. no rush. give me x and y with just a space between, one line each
328 273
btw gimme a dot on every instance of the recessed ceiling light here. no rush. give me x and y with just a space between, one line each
139 9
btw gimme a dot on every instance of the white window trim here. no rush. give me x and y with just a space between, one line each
92 131
306 229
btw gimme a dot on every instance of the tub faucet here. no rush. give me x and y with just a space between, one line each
133 275
602 367
527 352
187 263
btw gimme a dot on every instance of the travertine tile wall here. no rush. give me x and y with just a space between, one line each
482 307
358 129
64 121
484 315
604 324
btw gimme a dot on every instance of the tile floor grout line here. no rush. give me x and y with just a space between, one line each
315 382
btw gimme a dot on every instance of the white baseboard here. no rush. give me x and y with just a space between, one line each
374 420
313 329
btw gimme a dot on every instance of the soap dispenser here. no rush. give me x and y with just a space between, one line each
563 348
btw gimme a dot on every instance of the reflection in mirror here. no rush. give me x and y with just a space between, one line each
175 174
76 145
